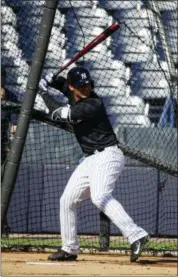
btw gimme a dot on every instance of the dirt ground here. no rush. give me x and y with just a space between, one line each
30 264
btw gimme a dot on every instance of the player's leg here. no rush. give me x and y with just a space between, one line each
107 166
77 190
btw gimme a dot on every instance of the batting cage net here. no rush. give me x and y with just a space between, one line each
134 71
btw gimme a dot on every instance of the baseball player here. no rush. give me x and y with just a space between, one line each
94 178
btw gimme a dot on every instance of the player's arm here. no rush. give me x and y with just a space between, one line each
82 111
51 103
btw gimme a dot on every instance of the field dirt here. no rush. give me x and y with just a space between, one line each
36 264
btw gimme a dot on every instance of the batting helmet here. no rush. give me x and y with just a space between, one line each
78 76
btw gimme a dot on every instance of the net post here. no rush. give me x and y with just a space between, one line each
14 157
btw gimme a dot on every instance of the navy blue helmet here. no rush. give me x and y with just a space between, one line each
78 76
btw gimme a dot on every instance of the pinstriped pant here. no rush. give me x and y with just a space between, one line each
95 179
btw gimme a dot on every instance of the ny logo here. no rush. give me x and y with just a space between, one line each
83 75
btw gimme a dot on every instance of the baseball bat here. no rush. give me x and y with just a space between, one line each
101 37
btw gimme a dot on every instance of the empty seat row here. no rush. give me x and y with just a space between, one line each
135 18
151 79
170 20
97 17
129 120
167 5
76 4
119 4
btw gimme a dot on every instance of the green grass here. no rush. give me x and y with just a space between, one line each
153 245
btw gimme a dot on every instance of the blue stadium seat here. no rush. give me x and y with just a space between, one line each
167 5
8 33
97 61
97 17
126 53
111 91
132 46
150 80
107 77
170 21
119 4
134 104
130 120
75 4
108 74
135 18
57 56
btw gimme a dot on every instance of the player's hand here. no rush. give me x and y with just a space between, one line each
49 78
44 82
43 85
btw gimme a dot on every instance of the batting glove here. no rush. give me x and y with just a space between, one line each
43 85
47 80
62 114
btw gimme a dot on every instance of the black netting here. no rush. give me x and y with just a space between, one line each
134 72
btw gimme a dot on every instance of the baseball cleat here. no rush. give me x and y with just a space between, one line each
61 255
137 248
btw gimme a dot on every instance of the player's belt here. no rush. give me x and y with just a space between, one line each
97 150
94 152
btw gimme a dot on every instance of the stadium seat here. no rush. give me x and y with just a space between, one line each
119 110
75 4
59 19
129 120
167 5
132 38
107 78
3 3
111 91
125 101
135 18
56 40
12 49
108 74
150 80
132 46
8 33
76 40
98 17
170 21
97 61
8 16
57 56
119 4
142 53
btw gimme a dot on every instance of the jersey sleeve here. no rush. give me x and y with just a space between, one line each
86 109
